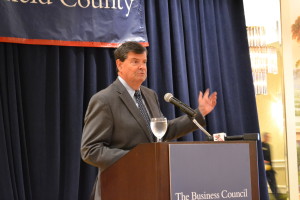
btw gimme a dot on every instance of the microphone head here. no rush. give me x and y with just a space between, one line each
168 97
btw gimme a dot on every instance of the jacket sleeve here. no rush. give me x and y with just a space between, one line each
96 137
182 125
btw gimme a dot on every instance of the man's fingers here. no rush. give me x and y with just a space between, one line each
206 93
200 95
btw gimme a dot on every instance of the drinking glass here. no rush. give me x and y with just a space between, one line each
159 127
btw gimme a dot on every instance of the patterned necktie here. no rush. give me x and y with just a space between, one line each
142 108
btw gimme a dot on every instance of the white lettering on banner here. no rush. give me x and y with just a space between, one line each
48 2
119 6
95 6
65 4
99 4
128 6
81 5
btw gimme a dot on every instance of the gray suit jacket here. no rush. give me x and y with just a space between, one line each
114 125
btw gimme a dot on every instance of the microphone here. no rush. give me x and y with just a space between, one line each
187 110
183 107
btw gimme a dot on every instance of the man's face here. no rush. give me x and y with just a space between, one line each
267 138
134 69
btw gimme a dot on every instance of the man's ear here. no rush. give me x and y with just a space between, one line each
119 64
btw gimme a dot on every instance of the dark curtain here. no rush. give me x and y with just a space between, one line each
194 45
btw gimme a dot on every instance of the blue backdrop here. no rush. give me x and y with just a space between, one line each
45 90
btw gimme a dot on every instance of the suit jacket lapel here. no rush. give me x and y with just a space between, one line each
151 103
130 104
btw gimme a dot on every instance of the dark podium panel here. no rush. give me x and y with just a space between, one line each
145 172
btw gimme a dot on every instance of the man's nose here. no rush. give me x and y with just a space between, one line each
142 66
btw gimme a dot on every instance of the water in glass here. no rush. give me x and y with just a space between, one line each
159 127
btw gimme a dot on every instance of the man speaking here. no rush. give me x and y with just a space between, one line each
115 122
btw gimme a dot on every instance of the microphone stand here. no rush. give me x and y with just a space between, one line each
202 129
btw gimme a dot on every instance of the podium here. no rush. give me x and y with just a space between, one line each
184 171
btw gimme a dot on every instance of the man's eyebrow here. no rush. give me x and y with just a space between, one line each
138 59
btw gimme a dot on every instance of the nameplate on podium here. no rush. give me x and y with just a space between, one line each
210 171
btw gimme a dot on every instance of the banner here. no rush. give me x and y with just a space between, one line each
90 23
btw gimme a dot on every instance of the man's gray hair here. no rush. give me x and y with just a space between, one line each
122 51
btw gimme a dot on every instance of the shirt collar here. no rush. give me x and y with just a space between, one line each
128 88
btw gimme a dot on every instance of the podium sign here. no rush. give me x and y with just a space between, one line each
210 171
